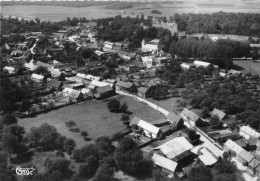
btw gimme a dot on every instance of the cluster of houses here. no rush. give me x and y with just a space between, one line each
174 153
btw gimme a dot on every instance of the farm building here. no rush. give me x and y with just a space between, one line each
219 114
198 63
145 128
148 61
72 94
243 156
142 92
103 92
191 117
207 157
247 132
254 167
165 164
95 83
125 87
176 149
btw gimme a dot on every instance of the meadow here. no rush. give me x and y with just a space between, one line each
57 13
249 66
93 117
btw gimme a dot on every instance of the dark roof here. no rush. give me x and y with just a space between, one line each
172 117
252 141
124 84
191 115
160 121
104 89
241 142
142 89
220 114
54 83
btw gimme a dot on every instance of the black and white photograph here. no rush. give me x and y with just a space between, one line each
130 90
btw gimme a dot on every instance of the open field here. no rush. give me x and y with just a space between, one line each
57 13
249 66
91 116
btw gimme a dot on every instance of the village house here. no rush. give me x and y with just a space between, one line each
187 66
55 84
76 86
192 118
198 63
148 61
107 46
152 46
16 52
242 155
145 128
44 65
254 167
166 165
247 132
129 68
55 72
38 78
207 157
13 70
111 82
218 114
175 120
72 94
125 87
103 92
142 92
176 149
95 83
31 65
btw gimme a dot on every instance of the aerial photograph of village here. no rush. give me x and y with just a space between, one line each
130 90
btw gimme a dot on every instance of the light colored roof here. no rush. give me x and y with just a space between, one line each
254 163
175 147
91 77
104 89
42 64
191 115
67 90
164 162
251 132
134 120
9 68
233 146
31 65
220 114
37 76
149 127
85 90
97 83
142 89
81 75
207 158
201 63
246 155
55 72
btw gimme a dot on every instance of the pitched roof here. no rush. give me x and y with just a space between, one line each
97 83
54 83
37 76
142 89
164 162
201 63
258 143
254 163
134 120
249 131
42 64
220 114
207 158
104 89
149 127
175 147
191 115
124 84
173 118
246 155
241 142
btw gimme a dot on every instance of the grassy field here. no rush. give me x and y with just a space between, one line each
91 116
57 13
249 66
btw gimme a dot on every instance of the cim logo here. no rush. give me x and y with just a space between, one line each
24 171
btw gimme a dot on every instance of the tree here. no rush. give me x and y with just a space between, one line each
193 136
70 124
62 77
117 136
214 121
200 173
57 164
9 119
113 105
104 146
125 118
124 107
10 143
105 173
88 169
69 145
15 130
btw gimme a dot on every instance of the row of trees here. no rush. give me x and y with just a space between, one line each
219 23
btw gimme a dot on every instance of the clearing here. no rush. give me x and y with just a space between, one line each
91 116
